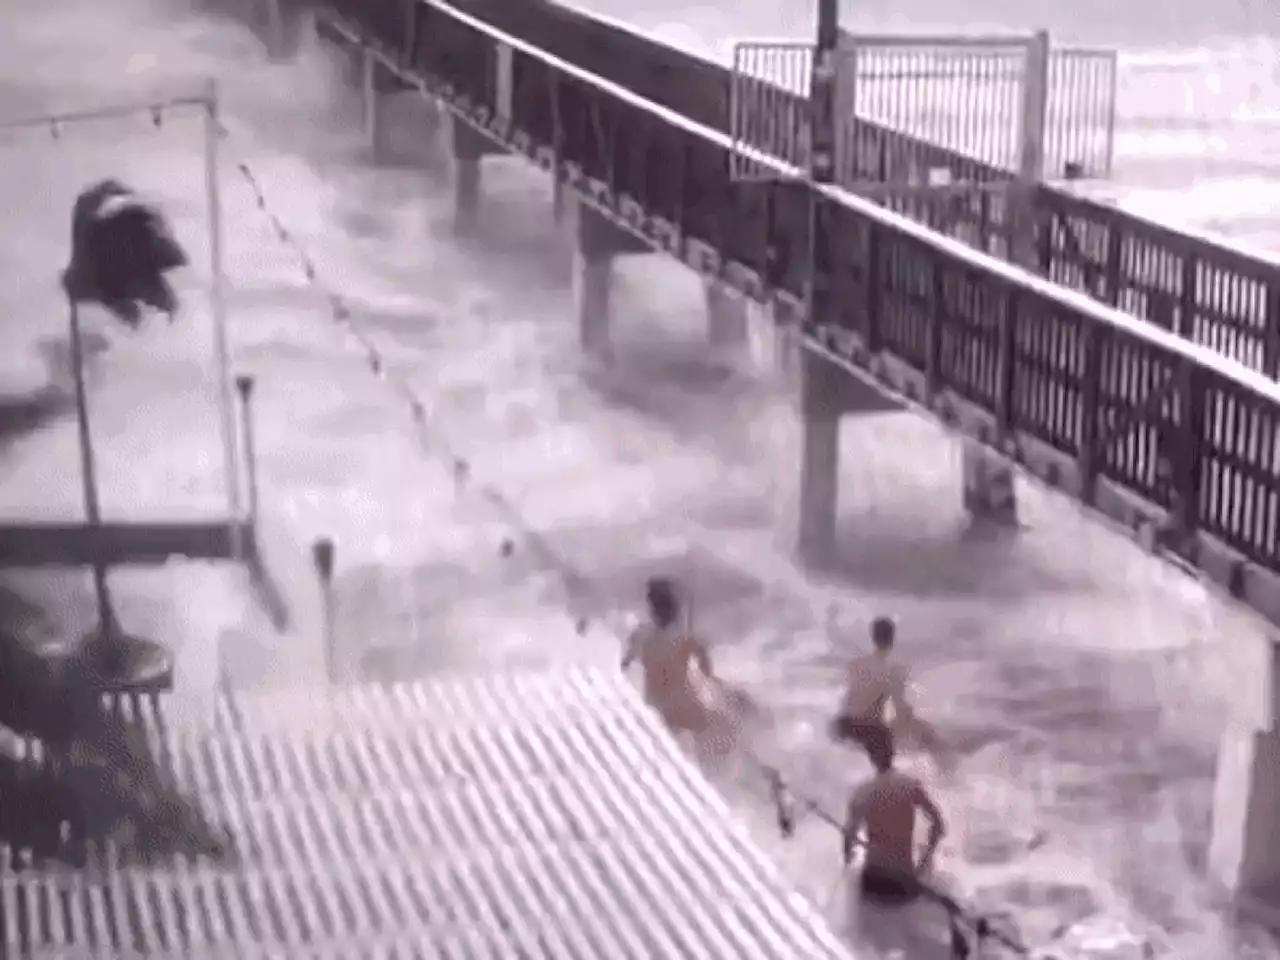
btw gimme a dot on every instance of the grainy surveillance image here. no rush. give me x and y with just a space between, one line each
580 479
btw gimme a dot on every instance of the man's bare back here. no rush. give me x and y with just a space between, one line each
674 663
679 682
887 806
874 682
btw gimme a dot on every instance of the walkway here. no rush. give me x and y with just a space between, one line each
531 815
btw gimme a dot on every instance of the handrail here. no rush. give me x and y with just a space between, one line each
783 798
1261 259
954 249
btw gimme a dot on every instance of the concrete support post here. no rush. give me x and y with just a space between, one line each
347 58
1244 846
821 402
368 88
808 447
468 148
773 343
371 101
592 300
599 243
819 493
400 124
789 352
726 318
1244 849
403 128
990 487
283 23
466 195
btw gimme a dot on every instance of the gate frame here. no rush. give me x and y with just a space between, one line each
206 101
1032 117
1032 120
1033 95
147 668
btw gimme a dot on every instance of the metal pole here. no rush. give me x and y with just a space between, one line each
218 307
822 158
88 473
813 532
323 555
244 385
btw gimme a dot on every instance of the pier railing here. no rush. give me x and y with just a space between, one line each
1205 291
1187 431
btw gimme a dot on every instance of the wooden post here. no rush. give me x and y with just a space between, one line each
244 386
322 554
1032 120
121 663
89 474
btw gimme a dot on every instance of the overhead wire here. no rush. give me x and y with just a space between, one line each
968 930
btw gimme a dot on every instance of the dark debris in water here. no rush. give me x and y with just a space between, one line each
103 795
85 774
891 552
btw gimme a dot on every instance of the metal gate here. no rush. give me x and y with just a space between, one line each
963 94
1080 123
1010 103
769 106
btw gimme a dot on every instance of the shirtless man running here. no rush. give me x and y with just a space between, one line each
887 805
876 682
679 682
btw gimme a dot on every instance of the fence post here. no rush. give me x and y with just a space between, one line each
847 135
1032 121
323 556
1035 108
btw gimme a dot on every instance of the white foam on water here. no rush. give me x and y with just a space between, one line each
1077 673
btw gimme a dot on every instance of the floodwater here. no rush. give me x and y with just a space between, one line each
1081 681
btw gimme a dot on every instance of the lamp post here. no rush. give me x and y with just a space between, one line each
117 662
822 159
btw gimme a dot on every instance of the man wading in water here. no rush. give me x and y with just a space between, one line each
887 805
679 682
876 682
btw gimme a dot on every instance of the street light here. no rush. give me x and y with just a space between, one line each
822 158
121 249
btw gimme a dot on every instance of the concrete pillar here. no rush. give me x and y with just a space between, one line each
346 57
467 148
762 338
824 392
1244 849
599 242
403 127
281 25
726 318
1244 845
990 489
372 84
822 399
592 299
819 489
401 124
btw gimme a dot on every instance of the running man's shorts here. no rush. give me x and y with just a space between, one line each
857 730
892 888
